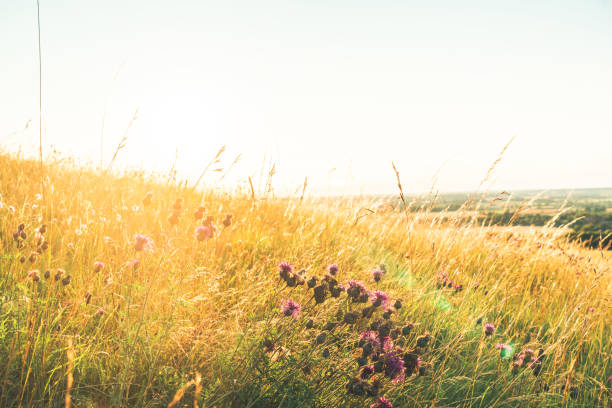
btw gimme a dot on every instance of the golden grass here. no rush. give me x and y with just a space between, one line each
139 337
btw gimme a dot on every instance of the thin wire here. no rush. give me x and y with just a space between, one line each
39 90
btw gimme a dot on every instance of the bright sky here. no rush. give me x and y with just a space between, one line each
333 90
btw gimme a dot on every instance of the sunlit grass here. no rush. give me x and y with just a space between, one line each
192 315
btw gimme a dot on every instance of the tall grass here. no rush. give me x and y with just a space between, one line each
188 326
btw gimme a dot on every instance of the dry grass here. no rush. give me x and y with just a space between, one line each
126 336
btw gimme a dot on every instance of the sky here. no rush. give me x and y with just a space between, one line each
331 90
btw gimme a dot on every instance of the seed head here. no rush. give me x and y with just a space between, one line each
98 266
34 275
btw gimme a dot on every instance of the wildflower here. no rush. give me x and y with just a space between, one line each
309 324
321 338
34 275
285 270
290 308
489 329
134 264
387 344
527 355
268 345
368 311
312 282
412 362
100 311
369 337
366 372
423 341
333 269
377 274
199 213
208 221
379 298
502 346
357 291
66 280
178 204
203 233
407 329
47 274
320 293
228 220
398 304
33 257
350 317
98 266
394 367
382 402
142 242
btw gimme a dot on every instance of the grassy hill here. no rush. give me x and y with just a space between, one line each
116 291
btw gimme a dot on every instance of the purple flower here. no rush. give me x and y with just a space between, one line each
290 308
354 284
204 233
377 274
142 243
382 402
370 337
285 270
387 344
379 298
502 346
98 266
394 369
489 329
333 269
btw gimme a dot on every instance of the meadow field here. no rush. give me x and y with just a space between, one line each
137 290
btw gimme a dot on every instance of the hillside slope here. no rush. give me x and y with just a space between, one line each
117 291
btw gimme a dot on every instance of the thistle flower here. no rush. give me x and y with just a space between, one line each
369 337
199 213
34 275
203 233
285 269
489 329
382 402
387 344
227 221
377 274
394 367
379 298
142 243
100 311
134 264
366 372
98 266
333 269
290 308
